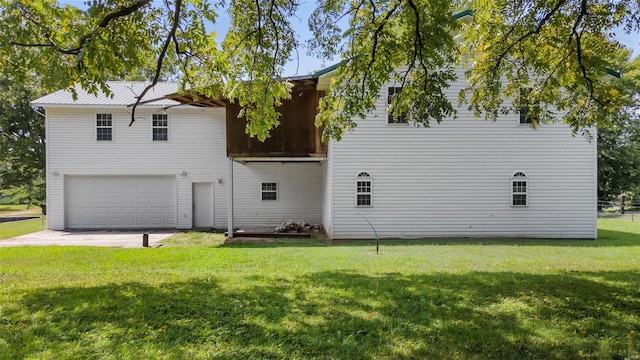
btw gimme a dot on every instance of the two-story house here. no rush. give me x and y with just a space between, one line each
190 165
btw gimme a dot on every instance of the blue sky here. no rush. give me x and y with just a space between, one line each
306 64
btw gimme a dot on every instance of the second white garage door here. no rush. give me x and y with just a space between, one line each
97 202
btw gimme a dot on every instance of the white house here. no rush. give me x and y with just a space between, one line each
176 165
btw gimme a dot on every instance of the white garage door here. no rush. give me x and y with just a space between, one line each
96 202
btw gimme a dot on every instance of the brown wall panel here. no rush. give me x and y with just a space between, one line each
295 137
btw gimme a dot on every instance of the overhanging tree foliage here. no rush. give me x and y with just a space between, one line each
22 132
558 48
22 144
619 144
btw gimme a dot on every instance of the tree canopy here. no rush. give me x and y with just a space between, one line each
619 144
22 144
558 48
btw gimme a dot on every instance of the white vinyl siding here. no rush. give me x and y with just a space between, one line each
453 178
299 193
327 193
196 153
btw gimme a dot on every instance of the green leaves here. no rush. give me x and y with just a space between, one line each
257 46
66 45
22 144
559 48
410 44
618 143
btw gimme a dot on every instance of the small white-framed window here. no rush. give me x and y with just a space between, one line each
364 190
104 127
269 191
519 189
160 127
528 110
391 93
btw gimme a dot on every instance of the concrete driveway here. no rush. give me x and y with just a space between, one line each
124 239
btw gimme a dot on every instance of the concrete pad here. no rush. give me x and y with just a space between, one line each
124 239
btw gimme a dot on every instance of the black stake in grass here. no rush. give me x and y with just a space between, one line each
374 231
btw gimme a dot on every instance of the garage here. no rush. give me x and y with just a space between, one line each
120 202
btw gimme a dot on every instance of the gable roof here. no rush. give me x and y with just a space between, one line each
124 93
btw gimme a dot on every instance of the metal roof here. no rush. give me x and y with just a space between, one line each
463 14
328 69
613 73
123 93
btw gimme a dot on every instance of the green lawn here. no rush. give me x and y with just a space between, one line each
454 299
16 228
12 207
19 207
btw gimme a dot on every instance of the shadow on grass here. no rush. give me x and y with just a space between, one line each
334 315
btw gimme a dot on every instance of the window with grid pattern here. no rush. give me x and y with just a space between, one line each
363 190
269 191
519 189
160 126
528 110
104 127
402 119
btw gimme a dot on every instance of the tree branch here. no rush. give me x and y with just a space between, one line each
418 40
163 52
376 38
30 45
537 30
122 12
580 55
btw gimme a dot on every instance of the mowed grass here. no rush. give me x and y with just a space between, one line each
12 207
16 228
4 209
454 299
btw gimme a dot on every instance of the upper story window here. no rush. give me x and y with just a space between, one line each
528 110
519 189
402 119
160 127
269 191
104 127
363 190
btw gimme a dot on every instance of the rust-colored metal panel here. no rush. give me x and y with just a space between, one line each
297 135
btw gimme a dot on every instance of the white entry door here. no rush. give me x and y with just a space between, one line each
202 205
